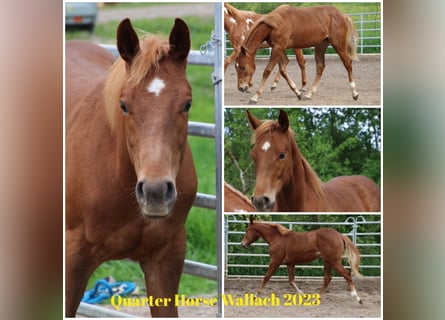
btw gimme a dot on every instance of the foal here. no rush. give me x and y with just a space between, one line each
238 24
290 248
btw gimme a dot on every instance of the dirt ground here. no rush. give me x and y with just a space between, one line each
332 90
336 302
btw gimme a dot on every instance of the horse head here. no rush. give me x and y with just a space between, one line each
251 234
245 68
272 156
152 111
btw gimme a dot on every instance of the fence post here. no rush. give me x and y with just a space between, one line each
217 83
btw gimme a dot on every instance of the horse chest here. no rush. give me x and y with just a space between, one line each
129 240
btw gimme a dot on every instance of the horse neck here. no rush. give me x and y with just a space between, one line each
302 186
257 36
267 232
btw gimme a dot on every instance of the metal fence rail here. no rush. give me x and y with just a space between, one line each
233 239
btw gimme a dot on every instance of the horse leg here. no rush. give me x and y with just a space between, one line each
162 272
78 270
302 64
327 276
282 63
320 65
273 266
274 58
347 62
345 273
275 81
291 274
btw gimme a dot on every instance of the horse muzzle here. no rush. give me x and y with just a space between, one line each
263 203
244 87
156 199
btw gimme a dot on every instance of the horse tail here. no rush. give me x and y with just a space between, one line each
352 255
352 39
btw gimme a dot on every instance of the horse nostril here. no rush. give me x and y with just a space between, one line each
171 192
266 201
140 192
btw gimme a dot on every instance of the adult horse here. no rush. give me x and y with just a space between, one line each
235 201
237 24
286 182
290 27
130 177
291 247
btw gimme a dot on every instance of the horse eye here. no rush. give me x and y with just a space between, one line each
124 107
282 156
187 106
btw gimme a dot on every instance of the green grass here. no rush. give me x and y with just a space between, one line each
201 223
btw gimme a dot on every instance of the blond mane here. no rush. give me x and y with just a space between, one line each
152 49
311 177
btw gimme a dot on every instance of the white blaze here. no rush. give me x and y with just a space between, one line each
156 86
265 146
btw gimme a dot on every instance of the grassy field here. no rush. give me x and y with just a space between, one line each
201 223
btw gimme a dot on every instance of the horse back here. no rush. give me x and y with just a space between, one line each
87 65
305 27
87 56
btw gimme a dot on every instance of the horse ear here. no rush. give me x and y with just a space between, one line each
127 41
251 218
243 50
283 120
179 40
254 122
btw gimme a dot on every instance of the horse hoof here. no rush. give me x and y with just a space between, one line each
272 88
361 302
253 102
355 97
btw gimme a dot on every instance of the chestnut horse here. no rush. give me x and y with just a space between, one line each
235 201
237 24
290 27
130 177
290 248
286 182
